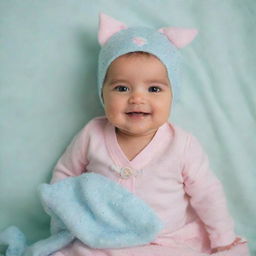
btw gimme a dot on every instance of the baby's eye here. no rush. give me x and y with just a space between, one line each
154 89
121 88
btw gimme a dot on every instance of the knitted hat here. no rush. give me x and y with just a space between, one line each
116 40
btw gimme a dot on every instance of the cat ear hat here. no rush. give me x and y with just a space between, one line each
117 39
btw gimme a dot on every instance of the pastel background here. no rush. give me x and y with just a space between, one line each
48 60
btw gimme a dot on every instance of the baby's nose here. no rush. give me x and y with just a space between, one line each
137 98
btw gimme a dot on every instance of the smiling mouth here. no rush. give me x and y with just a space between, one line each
137 114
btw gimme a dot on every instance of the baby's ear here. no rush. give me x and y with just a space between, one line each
108 26
180 37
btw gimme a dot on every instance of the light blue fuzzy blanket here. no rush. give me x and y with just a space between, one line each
93 209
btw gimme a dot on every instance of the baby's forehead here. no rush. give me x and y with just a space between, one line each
137 56
137 66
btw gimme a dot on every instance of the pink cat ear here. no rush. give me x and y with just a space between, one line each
180 37
108 27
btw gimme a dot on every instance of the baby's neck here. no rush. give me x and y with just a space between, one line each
132 145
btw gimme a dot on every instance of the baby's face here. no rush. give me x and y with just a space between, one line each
137 94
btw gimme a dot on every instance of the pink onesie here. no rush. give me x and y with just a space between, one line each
170 174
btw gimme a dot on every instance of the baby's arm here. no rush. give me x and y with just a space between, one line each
207 196
73 162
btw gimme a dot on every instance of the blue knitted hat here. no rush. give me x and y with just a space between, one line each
116 40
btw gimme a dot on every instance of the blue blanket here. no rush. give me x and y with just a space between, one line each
93 209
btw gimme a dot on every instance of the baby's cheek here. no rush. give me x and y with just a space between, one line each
164 105
111 113
163 113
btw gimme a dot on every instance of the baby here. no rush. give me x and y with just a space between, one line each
135 145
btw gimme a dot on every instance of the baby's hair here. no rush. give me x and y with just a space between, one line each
137 53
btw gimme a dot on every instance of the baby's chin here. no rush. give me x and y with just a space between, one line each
136 124
136 133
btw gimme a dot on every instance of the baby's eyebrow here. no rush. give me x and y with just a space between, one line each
156 81
150 81
117 81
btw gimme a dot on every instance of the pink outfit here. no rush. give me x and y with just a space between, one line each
170 174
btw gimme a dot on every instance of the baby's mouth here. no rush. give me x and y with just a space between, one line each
137 113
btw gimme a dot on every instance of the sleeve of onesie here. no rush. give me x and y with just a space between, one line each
206 195
74 160
72 163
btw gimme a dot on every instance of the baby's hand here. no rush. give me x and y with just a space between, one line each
237 241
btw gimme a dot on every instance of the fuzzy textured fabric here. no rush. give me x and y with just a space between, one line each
92 208
14 240
100 212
